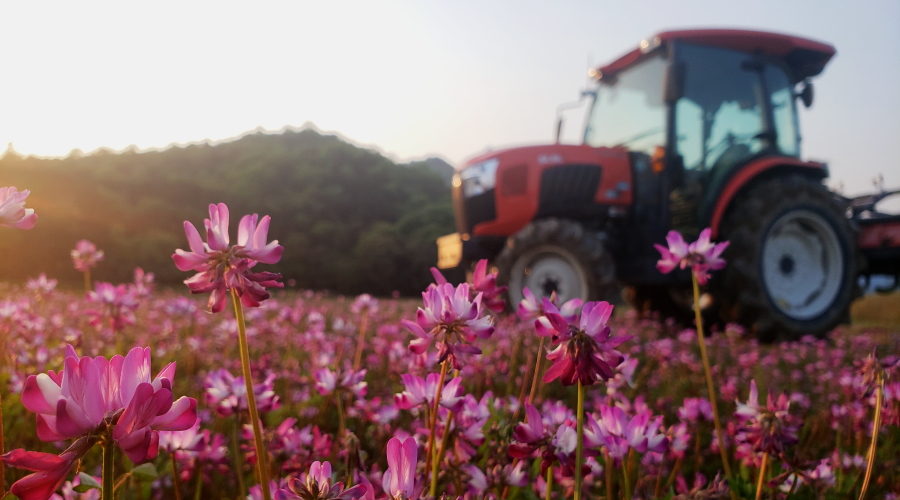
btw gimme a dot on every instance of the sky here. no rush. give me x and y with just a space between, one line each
412 79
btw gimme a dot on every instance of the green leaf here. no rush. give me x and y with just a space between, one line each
87 483
145 472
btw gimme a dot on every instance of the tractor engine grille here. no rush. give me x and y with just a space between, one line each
479 208
569 190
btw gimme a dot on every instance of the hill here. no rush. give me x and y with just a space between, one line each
350 219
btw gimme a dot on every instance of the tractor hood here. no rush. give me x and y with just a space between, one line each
499 192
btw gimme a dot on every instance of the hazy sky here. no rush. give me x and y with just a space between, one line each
413 78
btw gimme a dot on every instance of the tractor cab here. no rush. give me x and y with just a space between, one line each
696 107
692 129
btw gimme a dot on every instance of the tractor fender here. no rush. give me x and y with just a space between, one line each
763 167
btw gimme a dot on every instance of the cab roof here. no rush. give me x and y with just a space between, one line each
805 57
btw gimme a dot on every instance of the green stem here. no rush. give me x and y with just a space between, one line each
2 445
793 485
251 398
238 461
579 444
363 326
432 452
609 475
537 371
710 386
199 488
876 427
176 480
626 480
109 449
659 472
762 475
549 488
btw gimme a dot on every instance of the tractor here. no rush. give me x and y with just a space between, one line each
692 129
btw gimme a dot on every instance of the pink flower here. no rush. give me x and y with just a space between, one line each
419 390
695 408
143 283
12 209
92 395
117 304
619 433
585 352
364 302
41 284
318 486
352 382
228 393
531 308
451 318
221 267
86 256
50 470
766 429
482 283
400 477
702 255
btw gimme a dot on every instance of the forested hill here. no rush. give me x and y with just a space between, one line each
350 219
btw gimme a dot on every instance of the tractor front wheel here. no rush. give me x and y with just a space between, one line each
791 263
555 255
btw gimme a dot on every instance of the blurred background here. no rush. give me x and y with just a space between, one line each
342 120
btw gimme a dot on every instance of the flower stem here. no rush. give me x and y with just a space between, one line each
762 475
549 488
659 474
363 326
432 452
626 480
608 469
2 448
710 386
876 427
109 460
251 398
579 444
445 440
176 480
87 281
537 371
238 462
199 489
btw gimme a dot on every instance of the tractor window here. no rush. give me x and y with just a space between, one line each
783 112
629 111
720 117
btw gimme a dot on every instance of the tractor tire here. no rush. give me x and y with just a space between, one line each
556 255
791 264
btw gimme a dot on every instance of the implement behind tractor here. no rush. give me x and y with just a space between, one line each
692 129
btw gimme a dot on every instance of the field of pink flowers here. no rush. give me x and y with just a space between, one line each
404 399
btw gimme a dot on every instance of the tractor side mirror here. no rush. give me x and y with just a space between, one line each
806 95
673 82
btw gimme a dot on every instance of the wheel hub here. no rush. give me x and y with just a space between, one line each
548 269
786 264
802 264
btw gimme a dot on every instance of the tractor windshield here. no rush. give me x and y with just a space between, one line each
629 111
735 106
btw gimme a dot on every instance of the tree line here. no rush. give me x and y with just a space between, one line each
350 219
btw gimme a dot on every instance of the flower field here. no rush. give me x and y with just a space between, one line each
296 336
124 391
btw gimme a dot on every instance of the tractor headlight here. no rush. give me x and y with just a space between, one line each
478 178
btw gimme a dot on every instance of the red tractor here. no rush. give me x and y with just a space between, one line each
692 129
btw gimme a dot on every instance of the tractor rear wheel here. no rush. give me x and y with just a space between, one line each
555 255
791 263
